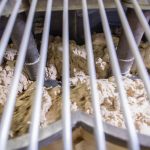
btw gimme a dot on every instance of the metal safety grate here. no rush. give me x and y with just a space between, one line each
68 119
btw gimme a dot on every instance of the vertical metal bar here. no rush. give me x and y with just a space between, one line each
10 104
2 6
6 35
66 113
142 19
133 139
35 119
99 132
133 47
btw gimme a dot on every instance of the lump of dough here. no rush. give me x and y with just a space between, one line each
10 54
50 72
111 110
23 110
78 56
6 77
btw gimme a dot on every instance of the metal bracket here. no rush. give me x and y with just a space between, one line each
79 119
144 4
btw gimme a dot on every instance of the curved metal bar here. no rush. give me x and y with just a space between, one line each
35 119
98 129
10 104
142 18
66 113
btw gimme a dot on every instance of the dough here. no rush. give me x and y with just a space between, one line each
26 88
78 56
109 101
22 113
80 90
6 76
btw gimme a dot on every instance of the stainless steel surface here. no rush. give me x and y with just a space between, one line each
34 128
98 130
58 5
66 112
69 121
142 19
2 6
74 4
79 119
133 140
144 4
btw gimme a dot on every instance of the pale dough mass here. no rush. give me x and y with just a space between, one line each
80 89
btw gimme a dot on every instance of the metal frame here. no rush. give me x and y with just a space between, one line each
78 118
144 4
57 5
73 5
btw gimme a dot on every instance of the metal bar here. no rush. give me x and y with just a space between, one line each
142 18
133 139
100 137
34 128
8 30
133 47
10 104
73 5
66 114
2 6
124 53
